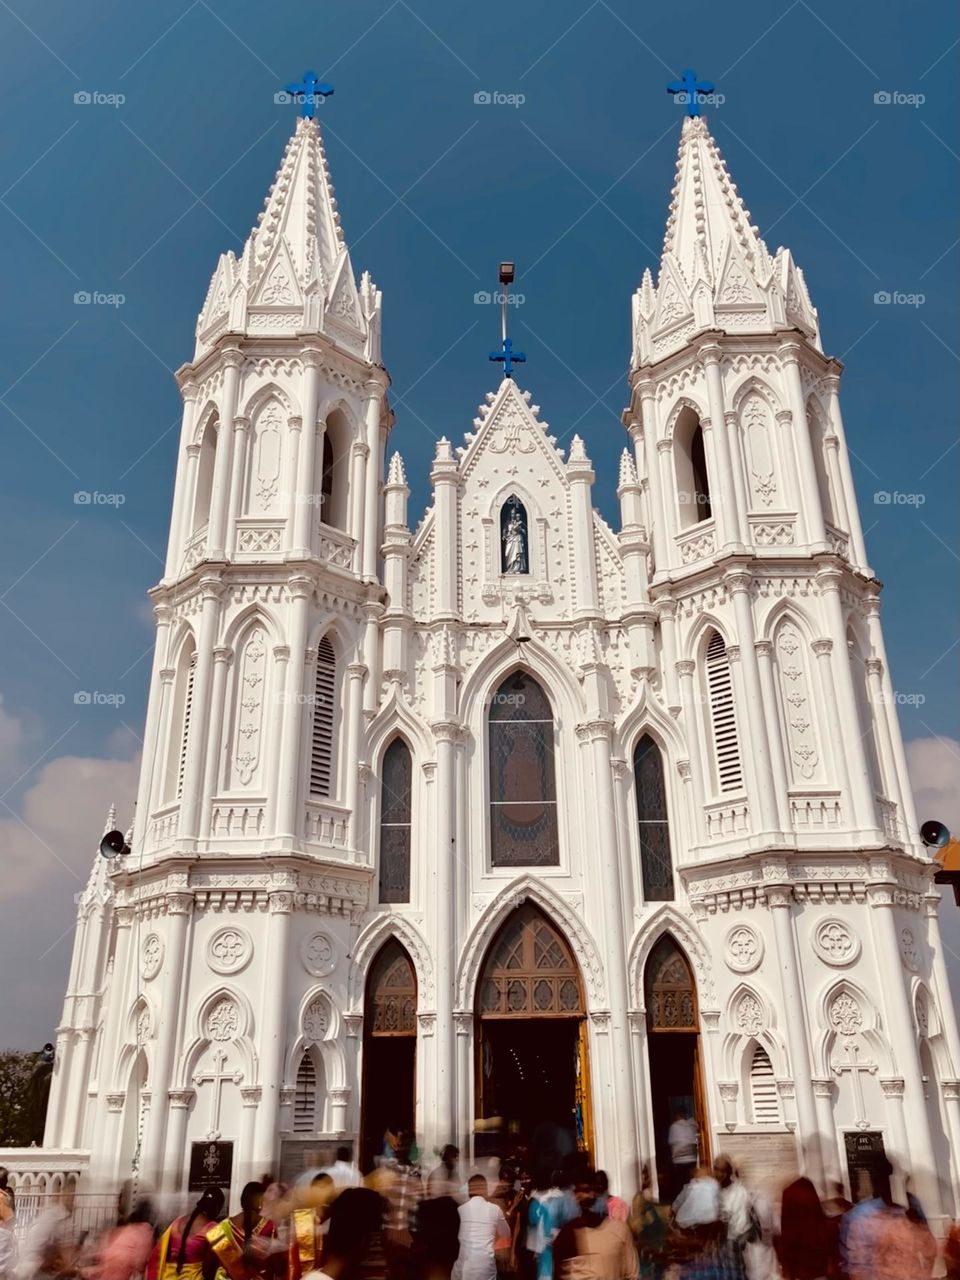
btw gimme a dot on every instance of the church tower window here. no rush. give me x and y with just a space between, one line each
523 796
693 481
655 861
395 822
180 720
723 717
205 467
514 537
324 707
334 462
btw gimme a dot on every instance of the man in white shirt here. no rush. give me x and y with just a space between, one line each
481 1225
684 1139
343 1171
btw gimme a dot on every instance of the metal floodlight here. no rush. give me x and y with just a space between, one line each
508 271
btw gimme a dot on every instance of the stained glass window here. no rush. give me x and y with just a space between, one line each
669 990
395 823
530 971
523 798
655 860
392 993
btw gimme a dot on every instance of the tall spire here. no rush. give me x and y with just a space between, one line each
715 270
294 274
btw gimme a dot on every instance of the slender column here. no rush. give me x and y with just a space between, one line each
372 612
185 481
811 511
841 514
113 1128
795 1023
185 529
463 1026
668 639
888 707
581 477
446 734
646 1143
823 1101
727 516
739 586
303 508
351 791
445 479
339 1105
668 488
211 590
79 1074
179 911
153 743
250 1100
235 504
823 650
864 805
291 497
598 734
223 463
359 453
951 1105
175 1151
692 722
651 468
854 528
735 442
892 1088
941 983
117 1003
373 392
778 764
903 1040
161 754
289 828
216 744
881 720
273 1029
59 1086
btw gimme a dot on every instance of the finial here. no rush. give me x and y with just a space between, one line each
687 91
111 819
308 93
506 355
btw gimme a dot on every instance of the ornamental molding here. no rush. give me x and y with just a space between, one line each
354 1024
115 1101
318 954
151 956
600 1021
229 950
909 951
892 1086
427 1023
180 1099
250 1095
744 949
835 943
729 1090
787 1088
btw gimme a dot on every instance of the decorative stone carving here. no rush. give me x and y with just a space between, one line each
749 1015
151 956
316 1019
223 1020
835 943
744 949
144 1025
229 950
909 952
729 1090
318 954
798 715
756 427
249 717
845 1016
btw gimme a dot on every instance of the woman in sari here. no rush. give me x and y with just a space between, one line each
180 1251
244 1247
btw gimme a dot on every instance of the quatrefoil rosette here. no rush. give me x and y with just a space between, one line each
229 950
835 943
744 949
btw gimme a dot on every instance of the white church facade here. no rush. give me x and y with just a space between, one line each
507 817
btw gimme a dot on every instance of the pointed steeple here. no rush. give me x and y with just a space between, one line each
715 270
294 274
98 888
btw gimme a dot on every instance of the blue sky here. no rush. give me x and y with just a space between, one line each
138 199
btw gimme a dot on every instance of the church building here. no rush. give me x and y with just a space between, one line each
502 818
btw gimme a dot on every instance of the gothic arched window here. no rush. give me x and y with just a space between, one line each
693 481
334 463
305 1097
723 717
203 490
514 537
392 993
180 722
764 1099
324 718
670 994
655 861
523 795
396 787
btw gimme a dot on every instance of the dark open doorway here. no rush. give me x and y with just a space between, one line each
389 1051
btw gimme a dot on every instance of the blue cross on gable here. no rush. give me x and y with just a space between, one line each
508 357
687 91
309 92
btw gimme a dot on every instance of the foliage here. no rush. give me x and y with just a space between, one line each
24 1088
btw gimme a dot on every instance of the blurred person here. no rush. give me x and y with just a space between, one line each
125 1251
182 1248
649 1221
604 1202
444 1179
683 1139
309 1225
437 1243
242 1246
856 1235
356 1221
8 1238
482 1224
50 1245
344 1171
951 1253
398 1180
806 1243
759 1255
593 1246
546 1213
738 1216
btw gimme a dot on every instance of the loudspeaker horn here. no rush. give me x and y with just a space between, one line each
113 845
934 834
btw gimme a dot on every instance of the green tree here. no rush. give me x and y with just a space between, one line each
24 1088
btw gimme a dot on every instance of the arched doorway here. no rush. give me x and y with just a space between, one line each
389 1050
673 1048
532 1081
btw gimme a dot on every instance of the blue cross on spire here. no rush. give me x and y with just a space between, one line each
688 89
309 93
508 357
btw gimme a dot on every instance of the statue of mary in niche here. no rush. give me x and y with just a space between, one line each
514 553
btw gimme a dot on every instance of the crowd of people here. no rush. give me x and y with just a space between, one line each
528 1222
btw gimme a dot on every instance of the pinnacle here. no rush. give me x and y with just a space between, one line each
396 474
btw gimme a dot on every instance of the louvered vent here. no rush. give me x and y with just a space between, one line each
187 710
763 1088
305 1097
725 741
321 754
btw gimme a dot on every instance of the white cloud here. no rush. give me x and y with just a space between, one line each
934 768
